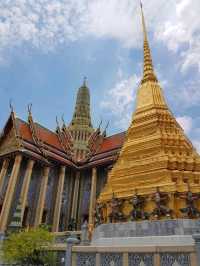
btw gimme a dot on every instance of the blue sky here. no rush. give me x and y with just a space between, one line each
47 47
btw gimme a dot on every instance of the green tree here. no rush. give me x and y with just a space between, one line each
29 247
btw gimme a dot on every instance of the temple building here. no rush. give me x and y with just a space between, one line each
56 177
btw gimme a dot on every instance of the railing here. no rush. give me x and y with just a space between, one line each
61 237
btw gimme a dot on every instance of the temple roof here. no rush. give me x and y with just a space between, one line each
111 143
108 149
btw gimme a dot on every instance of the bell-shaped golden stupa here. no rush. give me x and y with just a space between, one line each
156 157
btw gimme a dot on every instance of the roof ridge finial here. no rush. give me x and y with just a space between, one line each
148 72
30 108
63 119
11 106
57 122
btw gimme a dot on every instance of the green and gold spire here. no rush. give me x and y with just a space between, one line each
81 126
81 114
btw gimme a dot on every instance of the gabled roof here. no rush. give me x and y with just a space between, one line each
112 142
46 136
108 150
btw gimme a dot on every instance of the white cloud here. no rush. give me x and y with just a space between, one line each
114 19
45 24
191 57
188 94
119 100
182 28
186 123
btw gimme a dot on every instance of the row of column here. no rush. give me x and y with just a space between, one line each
7 202
92 202
42 193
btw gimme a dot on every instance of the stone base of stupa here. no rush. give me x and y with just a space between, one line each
147 233
145 243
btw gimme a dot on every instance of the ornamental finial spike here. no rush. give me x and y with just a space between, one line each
57 122
11 106
29 108
148 72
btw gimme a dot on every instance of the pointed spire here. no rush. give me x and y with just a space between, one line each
81 114
148 72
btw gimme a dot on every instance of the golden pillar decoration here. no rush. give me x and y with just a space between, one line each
75 196
41 198
3 172
57 208
93 197
25 186
9 193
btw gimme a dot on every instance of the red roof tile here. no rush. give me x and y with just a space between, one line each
107 151
44 134
113 142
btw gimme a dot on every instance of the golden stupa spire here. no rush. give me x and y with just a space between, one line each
148 72
156 156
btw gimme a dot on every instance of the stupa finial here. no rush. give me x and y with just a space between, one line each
85 81
148 72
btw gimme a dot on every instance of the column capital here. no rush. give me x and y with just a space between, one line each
18 158
94 171
46 170
30 164
5 163
62 168
78 174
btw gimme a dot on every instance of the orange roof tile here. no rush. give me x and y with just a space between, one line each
44 134
113 142
107 151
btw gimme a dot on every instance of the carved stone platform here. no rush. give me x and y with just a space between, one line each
147 233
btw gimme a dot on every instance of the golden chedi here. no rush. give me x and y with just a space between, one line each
158 164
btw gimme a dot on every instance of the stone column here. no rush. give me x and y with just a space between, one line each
41 198
25 186
156 259
93 196
193 259
71 241
125 259
3 172
57 207
10 193
98 259
75 196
